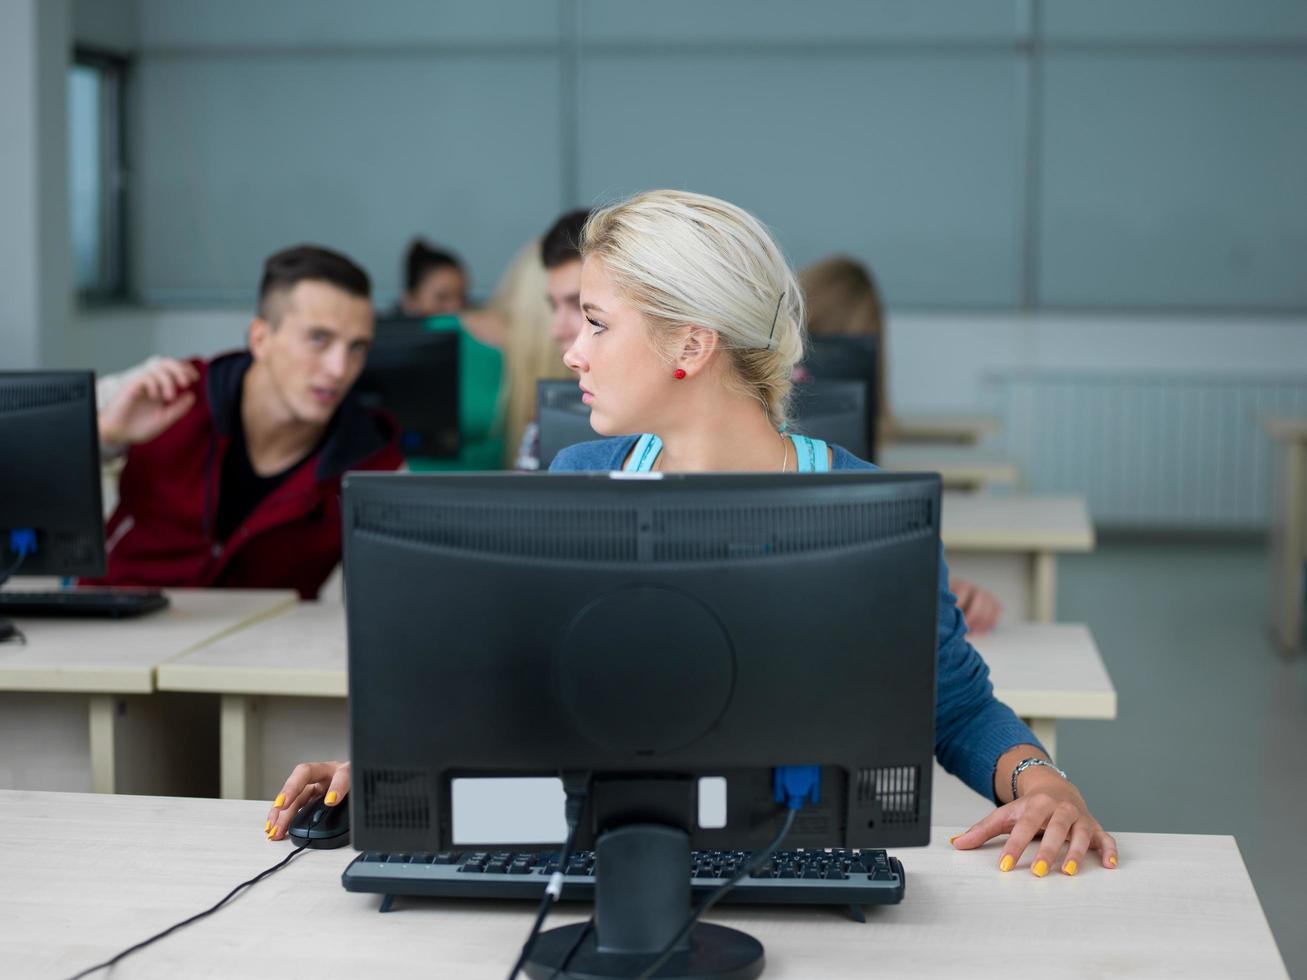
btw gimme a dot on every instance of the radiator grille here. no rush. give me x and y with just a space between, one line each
1170 451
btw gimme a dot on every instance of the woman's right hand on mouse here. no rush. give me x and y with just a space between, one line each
307 780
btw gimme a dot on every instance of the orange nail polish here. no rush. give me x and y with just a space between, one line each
1008 863
1070 868
280 801
1041 868
332 798
1111 861
267 826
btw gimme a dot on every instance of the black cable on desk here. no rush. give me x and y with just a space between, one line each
577 787
194 918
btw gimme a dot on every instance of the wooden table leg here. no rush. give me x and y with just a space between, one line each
239 747
103 708
1043 587
1045 730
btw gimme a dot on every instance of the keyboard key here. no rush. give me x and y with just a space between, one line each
446 857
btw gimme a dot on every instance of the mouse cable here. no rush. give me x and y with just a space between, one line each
577 787
194 918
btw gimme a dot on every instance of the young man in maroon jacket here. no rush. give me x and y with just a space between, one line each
234 464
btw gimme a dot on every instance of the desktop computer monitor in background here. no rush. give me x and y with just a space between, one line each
647 632
50 456
834 411
849 359
564 419
412 373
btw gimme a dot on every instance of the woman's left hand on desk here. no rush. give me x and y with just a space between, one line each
1053 806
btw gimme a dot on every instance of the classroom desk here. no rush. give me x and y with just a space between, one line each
959 467
963 430
1288 528
283 684
1010 544
88 876
77 708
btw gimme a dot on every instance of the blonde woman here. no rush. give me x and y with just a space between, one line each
694 326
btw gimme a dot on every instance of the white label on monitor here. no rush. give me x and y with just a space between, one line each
634 475
519 810
712 802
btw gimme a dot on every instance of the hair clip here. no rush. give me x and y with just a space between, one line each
775 317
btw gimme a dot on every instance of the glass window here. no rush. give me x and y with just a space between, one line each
96 175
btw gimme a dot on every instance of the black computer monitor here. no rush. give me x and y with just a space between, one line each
412 373
50 455
650 632
849 359
835 411
564 420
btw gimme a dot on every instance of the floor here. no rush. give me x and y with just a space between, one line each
1211 734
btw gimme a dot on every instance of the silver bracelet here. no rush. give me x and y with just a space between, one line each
1026 764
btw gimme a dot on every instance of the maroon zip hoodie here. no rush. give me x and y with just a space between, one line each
162 532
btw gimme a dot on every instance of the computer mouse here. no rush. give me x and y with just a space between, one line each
319 825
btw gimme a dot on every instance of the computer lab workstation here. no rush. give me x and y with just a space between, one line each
579 688
590 490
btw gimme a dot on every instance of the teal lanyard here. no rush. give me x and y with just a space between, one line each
810 454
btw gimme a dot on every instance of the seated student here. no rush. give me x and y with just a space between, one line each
234 464
546 317
694 328
842 300
435 282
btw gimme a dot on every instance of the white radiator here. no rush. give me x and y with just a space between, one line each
1169 451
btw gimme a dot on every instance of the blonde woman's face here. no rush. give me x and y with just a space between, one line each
623 379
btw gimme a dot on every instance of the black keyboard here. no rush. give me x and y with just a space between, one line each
97 603
802 877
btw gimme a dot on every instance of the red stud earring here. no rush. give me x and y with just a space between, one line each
679 374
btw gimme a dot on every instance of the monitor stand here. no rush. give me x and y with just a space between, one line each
642 899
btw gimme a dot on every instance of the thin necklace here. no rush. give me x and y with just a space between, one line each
785 460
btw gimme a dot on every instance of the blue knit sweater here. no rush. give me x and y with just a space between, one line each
972 727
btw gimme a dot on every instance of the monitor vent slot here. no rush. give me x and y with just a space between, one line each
724 534
894 790
396 799
561 534
21 397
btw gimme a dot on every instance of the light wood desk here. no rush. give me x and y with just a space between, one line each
963 430
283 683
77 707
1288 528
88 876
1009 545
1048 671
959 467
